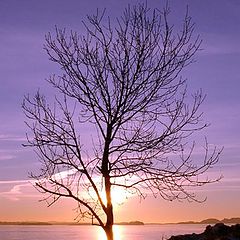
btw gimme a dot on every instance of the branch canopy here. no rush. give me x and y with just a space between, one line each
123 79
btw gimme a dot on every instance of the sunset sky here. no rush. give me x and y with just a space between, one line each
24 67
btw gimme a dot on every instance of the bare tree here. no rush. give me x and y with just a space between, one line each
125 81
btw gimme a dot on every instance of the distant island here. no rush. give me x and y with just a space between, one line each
130 223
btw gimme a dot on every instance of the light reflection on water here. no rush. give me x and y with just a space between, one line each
117 231
53 232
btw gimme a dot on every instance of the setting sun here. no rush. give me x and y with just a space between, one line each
119 196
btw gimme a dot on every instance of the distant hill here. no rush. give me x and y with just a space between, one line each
130 223
231 220
210 221
213 221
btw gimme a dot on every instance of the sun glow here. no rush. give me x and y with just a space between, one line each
119 196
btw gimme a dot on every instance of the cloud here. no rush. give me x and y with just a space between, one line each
219 44
226 184
6 157
6 154
18 189
16 181
64 174
9 137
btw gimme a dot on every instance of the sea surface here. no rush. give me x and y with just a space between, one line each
60 232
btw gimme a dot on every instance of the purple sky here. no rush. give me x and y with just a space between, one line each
24 66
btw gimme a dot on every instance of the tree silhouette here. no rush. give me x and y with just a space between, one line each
124 80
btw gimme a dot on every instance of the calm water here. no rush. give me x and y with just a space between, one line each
147 232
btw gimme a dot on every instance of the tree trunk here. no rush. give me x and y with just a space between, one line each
109 232
109 213
107 181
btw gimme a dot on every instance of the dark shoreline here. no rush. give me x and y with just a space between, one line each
219 231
